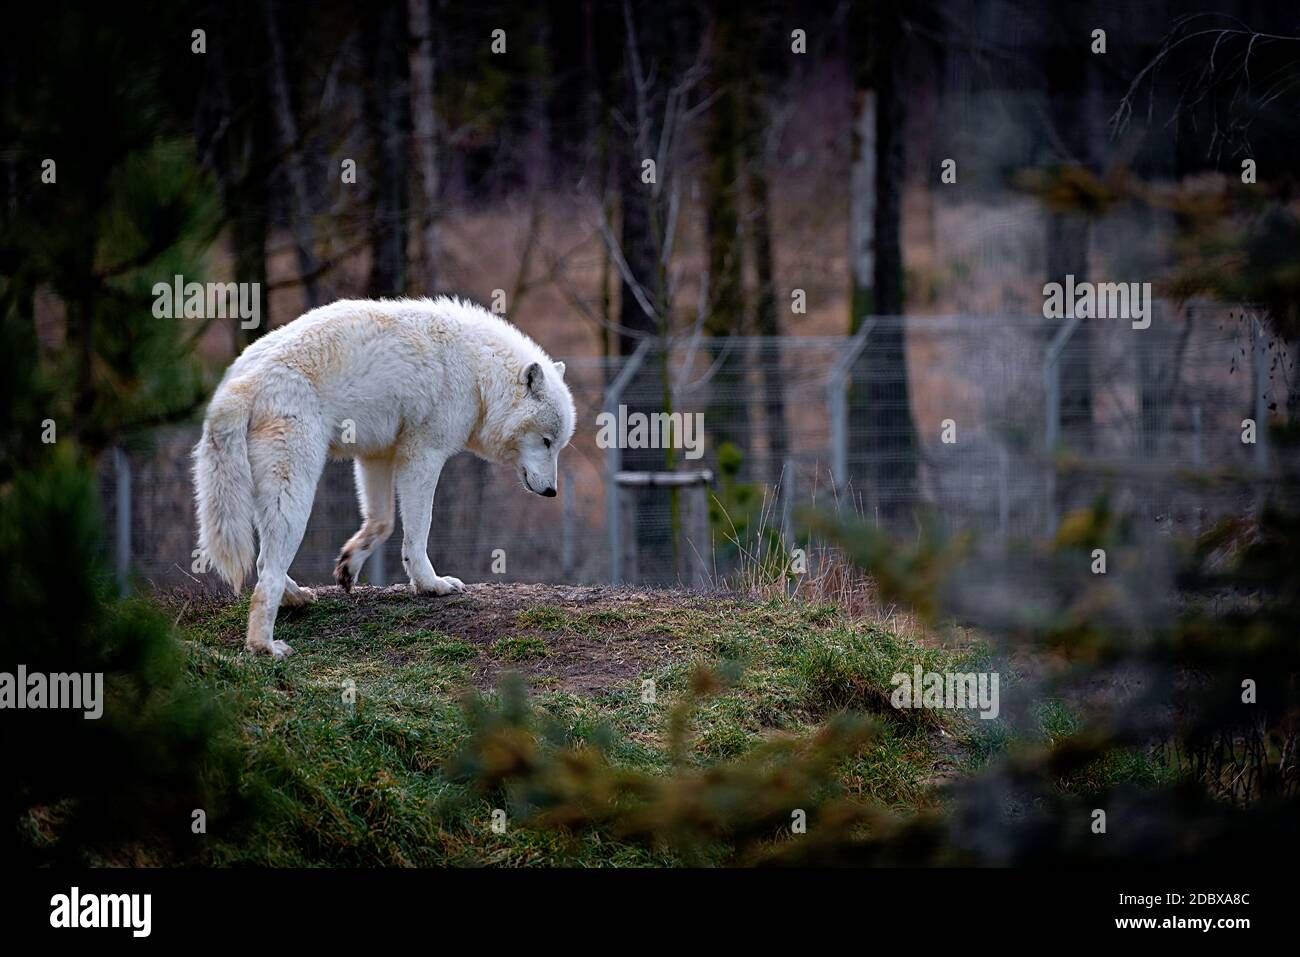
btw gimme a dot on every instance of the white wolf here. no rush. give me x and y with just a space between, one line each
400 387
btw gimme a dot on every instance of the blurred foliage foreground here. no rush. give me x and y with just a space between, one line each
1163 671
1178 743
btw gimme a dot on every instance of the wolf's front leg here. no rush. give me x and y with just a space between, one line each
417 479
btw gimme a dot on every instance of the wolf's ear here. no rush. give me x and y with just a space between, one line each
533 379
559 369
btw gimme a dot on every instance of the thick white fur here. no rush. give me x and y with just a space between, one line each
415 382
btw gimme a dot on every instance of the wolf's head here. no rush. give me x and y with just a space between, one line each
541 426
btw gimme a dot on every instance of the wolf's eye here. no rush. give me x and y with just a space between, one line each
547 441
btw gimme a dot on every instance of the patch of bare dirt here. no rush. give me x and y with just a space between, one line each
596 637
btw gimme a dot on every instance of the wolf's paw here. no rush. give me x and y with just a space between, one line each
279 650
439 585
296 599
343 570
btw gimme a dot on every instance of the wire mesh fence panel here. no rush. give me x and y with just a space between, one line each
948 413
1173 393
968 418
146 503
749 409
1163 433
689 556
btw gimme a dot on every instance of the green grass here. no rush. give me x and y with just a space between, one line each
543 616
519 649
1138 766
350 742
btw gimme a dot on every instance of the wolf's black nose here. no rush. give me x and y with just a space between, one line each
549 493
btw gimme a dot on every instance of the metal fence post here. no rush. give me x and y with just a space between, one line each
1259 370
787 502
1052 389
614 460
122 529
837 401
1197 455
697 520
700 519
567 548
1004 495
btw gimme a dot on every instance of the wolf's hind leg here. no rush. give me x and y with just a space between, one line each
375 491
286 457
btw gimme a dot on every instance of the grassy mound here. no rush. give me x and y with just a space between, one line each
357 745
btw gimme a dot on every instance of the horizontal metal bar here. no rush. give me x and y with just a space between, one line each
694 477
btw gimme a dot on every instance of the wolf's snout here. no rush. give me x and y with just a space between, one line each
549 493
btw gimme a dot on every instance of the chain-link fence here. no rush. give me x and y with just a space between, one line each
684 452
1015 422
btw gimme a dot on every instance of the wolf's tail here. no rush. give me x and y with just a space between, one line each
223 489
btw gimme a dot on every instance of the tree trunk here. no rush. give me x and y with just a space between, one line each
638 248
538 174
248 233
888 265
754 121
862 207
425 124
728 412
722 178
639 241
862 264
1075 113
290 148
893 442
767 325
232 135
389 142
596 124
